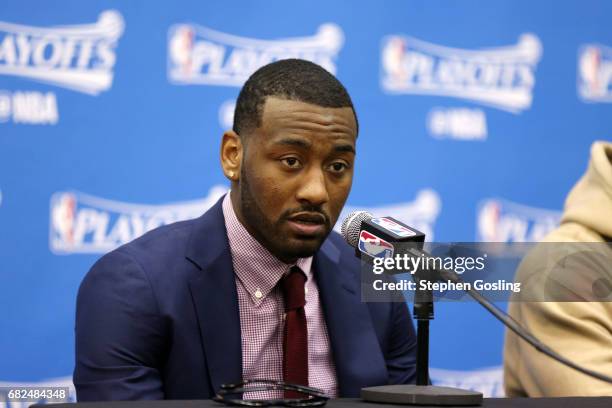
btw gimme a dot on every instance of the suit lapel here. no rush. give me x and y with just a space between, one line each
213 291
356 351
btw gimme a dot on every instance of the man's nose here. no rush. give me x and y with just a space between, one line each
313 188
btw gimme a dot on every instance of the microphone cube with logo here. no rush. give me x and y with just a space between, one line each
379 237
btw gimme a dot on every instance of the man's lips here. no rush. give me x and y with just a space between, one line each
308 223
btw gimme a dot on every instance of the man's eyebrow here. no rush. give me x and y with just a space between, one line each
294 142
305 144
344 148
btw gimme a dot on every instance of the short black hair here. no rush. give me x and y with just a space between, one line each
293 79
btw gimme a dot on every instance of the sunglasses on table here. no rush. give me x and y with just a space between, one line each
231 394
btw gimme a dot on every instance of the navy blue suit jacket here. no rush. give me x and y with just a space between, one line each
158 318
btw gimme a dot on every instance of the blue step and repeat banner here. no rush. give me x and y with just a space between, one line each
476 119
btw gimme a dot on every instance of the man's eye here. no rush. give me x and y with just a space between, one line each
291 162
338 167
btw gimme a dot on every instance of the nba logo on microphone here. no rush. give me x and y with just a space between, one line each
374 246
393 227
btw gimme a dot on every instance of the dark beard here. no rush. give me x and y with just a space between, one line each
266 232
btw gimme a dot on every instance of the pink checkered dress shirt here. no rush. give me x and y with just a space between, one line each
262 312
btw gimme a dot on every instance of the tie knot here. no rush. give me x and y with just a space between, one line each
293 288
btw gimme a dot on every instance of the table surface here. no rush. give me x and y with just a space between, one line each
568 402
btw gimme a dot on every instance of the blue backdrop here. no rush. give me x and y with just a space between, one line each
476 119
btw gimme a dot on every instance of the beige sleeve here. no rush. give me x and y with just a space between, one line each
579 331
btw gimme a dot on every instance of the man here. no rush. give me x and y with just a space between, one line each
196 304
569 257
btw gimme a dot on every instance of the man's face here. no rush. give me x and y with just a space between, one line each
295 175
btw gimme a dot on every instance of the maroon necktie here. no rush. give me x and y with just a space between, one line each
295 338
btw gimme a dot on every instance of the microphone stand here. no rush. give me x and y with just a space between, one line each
422 393
423 312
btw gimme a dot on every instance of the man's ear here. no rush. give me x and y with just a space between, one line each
232 150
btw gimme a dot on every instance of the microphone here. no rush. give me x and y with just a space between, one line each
379 237
385 236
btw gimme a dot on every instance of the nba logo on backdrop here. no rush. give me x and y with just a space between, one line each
501 77
505 221
595 73
29 107
199 55
63 209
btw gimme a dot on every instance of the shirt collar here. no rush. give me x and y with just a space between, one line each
257 269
